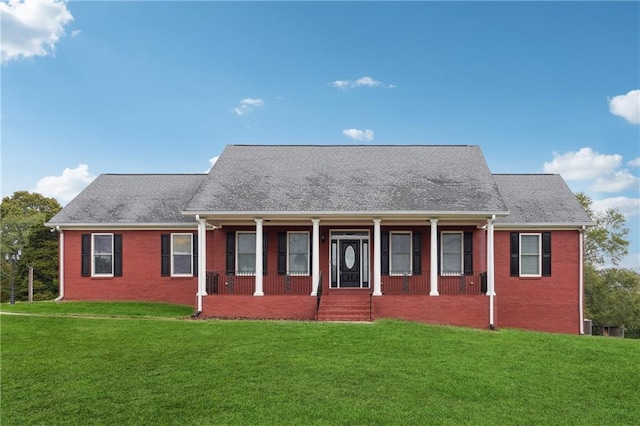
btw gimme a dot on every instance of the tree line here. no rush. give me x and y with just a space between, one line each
612 293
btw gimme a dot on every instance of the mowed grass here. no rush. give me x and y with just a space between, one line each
72 370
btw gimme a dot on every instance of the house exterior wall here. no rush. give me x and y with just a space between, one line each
547 303
290 307
141 279
460 310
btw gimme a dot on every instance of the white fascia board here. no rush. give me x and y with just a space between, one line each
403 214
123 226
555 226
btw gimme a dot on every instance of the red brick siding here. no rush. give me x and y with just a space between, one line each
461 310
140 280
546 303
261 307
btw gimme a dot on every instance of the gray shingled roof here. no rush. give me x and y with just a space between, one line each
131 199
349 178
539 199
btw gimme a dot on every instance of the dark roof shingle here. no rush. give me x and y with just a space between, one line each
539 199
317 178
131 199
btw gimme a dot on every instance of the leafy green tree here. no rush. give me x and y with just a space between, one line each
613 298
607 240
612 295
22 218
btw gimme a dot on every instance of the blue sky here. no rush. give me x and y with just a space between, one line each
162 87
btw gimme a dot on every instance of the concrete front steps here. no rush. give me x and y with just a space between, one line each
345 307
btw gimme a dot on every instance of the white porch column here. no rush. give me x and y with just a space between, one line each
202 261
377 259
315 267
490 272
581 283
61 264
433 258
259 266
490 262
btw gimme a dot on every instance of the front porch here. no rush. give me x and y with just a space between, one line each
273 283
347 269
462 299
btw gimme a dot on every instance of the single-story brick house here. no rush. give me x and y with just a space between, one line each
424 233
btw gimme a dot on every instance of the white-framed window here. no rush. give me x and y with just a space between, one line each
102 255
451 262
181 255
400 249
246 253
530 258
298 253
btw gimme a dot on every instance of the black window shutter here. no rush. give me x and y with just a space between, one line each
384 253
310 255
195 255
515 254
468 253
165 255
117 255
282 253
439 251
231 253
417 254
265 238
546 254
86 255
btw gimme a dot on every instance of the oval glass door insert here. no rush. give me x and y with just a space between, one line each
349 257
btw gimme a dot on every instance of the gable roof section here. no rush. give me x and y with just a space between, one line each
329 178
131 199
539 199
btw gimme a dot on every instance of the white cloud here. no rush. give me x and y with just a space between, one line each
616 182
582 165
31 27
247 105
626 205
75 33
626 106
365 81
66 186
634 163
341 84
359 135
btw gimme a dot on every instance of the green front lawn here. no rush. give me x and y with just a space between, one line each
69 370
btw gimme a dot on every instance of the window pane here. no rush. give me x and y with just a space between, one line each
400 253
400 243
182 264
451 263
247 263
451 253
298 242
102 243
452 243
529 265
529 244
298 263
401 264
247 243
365 263
182 244
102 264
